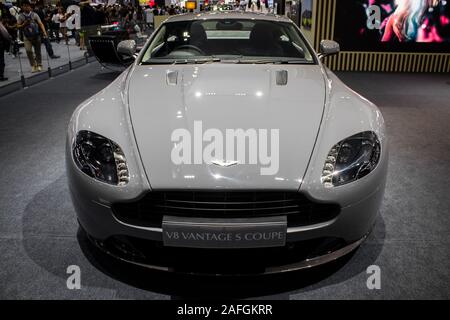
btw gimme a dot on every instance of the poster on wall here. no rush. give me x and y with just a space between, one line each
393 25
306 15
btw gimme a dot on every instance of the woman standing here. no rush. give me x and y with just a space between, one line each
54 24
60 18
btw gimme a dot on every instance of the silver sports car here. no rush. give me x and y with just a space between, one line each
227 147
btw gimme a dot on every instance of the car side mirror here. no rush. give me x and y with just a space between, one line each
328 48
127 48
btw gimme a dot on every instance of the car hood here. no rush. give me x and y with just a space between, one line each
164 98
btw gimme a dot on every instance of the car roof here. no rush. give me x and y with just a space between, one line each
228 15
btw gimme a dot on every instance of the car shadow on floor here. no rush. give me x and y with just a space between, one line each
50 227
180 286
108 73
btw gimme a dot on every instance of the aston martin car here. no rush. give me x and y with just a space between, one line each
227 147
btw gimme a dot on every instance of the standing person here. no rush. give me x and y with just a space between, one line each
113 15
56 25
88 24
100 15
30 23
15 11
123 12
10 23
140 21
149 16
156 11
70 19
59 18
4 43
45 22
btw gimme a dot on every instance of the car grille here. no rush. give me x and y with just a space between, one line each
149 210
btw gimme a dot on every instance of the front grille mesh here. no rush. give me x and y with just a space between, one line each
149 210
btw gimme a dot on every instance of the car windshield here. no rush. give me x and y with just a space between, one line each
232 40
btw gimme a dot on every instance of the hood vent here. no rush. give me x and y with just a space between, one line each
282 77
171 78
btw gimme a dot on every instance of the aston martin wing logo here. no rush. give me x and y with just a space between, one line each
224 163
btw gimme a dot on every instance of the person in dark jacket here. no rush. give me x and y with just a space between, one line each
4 43
10 23
88 19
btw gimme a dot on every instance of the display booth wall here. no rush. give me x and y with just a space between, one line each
363 50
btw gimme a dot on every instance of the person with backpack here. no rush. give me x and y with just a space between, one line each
31 26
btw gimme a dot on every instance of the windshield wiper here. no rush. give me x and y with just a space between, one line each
200 60
215 59
293 61
272 61
195 61
180 61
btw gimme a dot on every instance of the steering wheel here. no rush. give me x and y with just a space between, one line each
190 46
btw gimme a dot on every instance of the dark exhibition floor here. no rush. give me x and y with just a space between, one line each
38 229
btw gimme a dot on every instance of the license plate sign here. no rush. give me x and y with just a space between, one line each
224 233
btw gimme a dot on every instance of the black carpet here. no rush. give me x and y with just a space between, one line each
38 229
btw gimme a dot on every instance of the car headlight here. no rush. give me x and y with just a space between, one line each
351 159
100 158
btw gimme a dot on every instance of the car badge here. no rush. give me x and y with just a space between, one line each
224 163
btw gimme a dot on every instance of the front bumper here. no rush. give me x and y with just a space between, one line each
306 246
241 263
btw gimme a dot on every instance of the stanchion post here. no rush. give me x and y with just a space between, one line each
70 60
22 77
